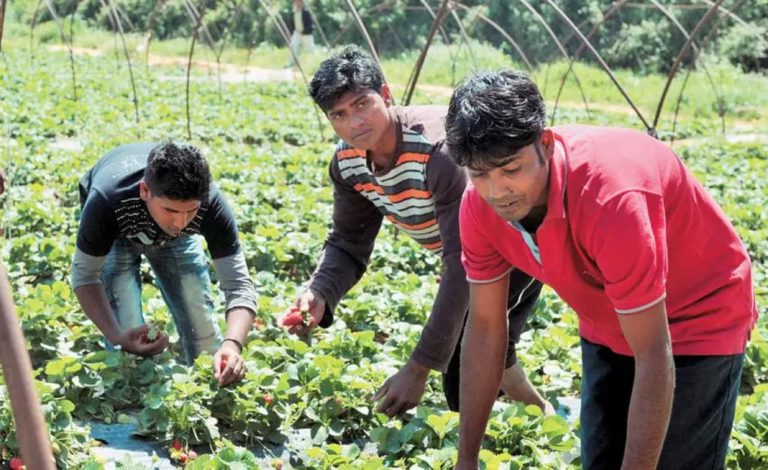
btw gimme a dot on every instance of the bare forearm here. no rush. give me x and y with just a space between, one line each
93 300
239 321
482 366
17 370
649 411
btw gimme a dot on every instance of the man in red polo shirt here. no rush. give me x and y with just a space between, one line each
615 223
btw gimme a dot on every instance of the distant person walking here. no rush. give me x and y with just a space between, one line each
302 31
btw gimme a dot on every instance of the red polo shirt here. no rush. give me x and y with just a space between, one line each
627 226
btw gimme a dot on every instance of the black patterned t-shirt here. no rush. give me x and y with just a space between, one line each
112 208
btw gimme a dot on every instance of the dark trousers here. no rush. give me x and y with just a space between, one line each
704 404
523 293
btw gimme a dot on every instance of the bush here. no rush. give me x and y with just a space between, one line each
645 48
746 46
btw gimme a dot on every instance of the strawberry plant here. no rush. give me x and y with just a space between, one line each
749 440
179 406
69 441
532 438
272 165
228 456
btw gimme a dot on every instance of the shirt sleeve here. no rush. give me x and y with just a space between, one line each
483 263
347 250
86 269
630 249
236 282
446 182
98 227
219 227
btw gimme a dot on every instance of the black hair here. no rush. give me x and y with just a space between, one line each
177 171
349 69
491 116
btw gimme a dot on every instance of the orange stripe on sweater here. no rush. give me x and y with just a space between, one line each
410 194
350 153
412 157
360 187
434 246
420 226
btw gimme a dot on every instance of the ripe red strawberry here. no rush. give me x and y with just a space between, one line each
267 398
222 365
296 317
16 463
183 457
176 444
292 319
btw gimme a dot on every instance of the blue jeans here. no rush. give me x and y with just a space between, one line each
703 408
181 273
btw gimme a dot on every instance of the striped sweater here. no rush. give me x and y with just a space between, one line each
419 191
401 194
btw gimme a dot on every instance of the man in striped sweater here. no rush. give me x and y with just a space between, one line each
391 163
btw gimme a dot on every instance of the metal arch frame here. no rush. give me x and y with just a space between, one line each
3 4
195 32
112 11
159 5
197 16
317 23
504 34
602 63
731 12
116 12
464 36
462 31
446 39
697 52
560 46
442 12
282 29
706 39
217 52
284 34
614 8
32 32
680 56
49 4
364 32
432 13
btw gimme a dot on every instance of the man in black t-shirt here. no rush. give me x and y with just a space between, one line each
153 200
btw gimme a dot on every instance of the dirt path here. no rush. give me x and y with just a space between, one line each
740 131
230 73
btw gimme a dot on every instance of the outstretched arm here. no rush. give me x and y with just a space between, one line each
650 407
17 370
482 365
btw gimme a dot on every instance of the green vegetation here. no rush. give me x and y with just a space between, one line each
638 36
269 154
